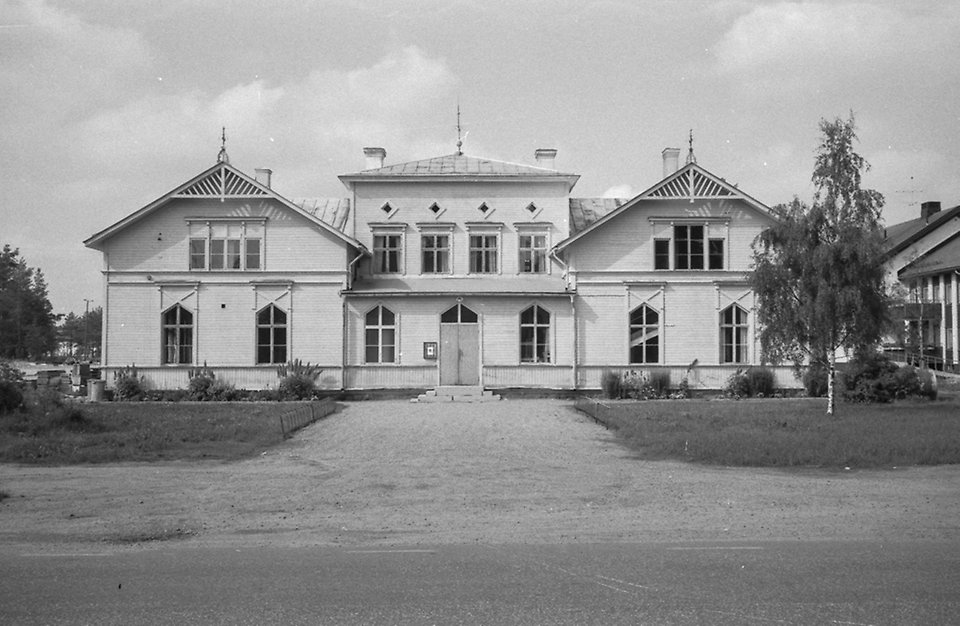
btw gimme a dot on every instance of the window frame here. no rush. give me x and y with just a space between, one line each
645 308
201 229
738 332
272 326
538 342
179 330
677 248
436 251
485 252
533 251
380 328
380 249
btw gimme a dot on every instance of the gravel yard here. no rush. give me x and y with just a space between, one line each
517 471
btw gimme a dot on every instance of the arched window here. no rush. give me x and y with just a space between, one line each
177 325
380 336
271 335
733 335
644 335
535 335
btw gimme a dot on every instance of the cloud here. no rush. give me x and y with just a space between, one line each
620 191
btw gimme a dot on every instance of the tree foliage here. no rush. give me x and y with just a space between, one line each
27 322
818 274
82 333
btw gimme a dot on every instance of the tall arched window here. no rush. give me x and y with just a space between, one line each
271 335
380 336
535 335
177 325
733 335
644 335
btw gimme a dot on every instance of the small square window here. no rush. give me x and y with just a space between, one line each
483 208
435 208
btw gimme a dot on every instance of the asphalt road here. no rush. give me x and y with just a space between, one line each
831 582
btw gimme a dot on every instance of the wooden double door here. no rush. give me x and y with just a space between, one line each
459 346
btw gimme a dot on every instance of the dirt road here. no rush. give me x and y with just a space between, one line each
517 471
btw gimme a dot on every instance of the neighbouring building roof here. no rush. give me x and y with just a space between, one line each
333 211
943 258
458 166
586 211
900 236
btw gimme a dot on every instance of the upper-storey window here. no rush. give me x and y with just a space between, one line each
386 254
435 250
484 253
533 253
689 247
217 244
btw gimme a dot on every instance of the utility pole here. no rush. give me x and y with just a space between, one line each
86 324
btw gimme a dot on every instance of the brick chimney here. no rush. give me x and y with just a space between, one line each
262 175
927 209
375 157
671 161
545 157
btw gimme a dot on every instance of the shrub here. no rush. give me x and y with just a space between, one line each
928 384
128 385
11 387
610 383
298 380
760 382
201 380
737 386
815 380
875 378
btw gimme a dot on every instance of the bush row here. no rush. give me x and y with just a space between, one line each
651 385
298 381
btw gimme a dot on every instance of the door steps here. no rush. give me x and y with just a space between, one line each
457 393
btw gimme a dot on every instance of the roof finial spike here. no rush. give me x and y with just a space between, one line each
459 140
690 157
222 156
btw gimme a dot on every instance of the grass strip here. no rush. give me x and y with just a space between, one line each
126 432
789 432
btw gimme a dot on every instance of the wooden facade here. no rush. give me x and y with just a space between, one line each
453 270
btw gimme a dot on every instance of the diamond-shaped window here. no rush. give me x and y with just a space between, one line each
532 208
435 208
483 208
386 208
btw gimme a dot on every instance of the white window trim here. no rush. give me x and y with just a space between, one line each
485 228
438 228
551 340
530 229
208 242
380 229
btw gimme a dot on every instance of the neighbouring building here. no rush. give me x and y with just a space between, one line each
452 270
923 262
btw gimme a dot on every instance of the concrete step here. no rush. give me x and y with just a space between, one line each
457 394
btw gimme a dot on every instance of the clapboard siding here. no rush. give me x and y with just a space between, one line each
132 323
527 375
159 241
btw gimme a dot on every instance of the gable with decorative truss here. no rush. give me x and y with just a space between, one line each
693 183
222 183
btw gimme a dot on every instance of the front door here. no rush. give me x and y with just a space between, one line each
459 347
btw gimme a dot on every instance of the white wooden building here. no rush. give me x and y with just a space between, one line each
453 270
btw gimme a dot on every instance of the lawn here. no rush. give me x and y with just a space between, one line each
144 431
787 432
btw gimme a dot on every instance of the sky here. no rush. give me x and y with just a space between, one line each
107 105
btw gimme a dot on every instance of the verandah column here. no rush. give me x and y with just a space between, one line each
954 302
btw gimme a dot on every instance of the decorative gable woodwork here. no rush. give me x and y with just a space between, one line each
692 183
222 183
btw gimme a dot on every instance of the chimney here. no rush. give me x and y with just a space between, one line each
671 161
262 175
545 157
927 209
375 157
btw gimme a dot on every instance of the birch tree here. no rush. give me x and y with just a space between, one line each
818 274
